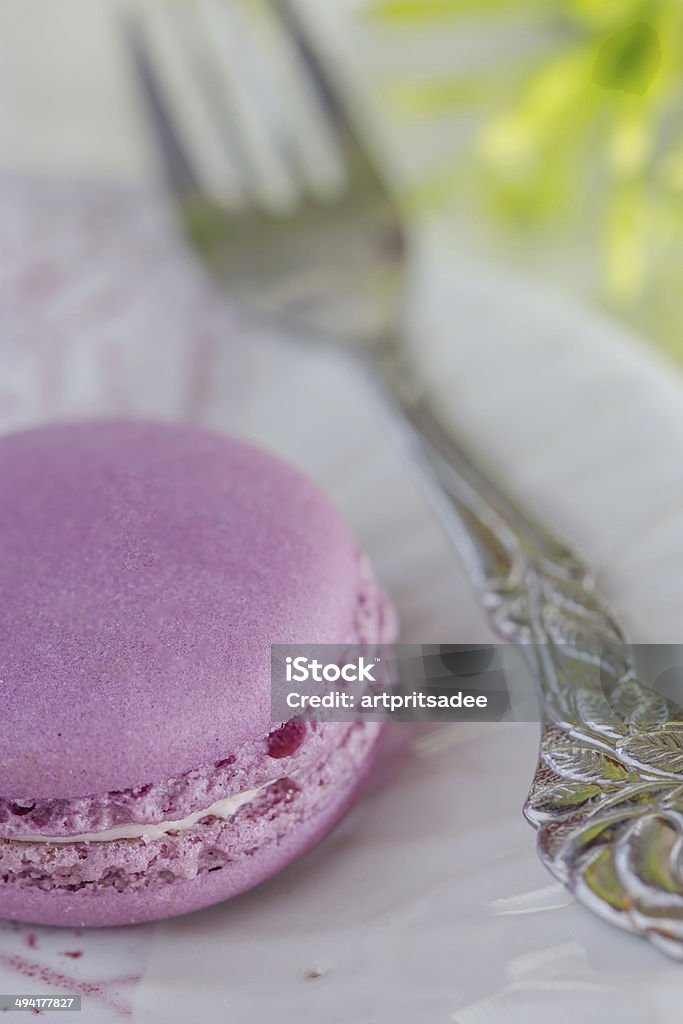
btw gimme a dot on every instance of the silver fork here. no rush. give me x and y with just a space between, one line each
301 228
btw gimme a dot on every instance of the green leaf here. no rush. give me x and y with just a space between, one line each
430 10
439 96
629 60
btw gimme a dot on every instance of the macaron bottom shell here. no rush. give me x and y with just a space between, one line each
229 857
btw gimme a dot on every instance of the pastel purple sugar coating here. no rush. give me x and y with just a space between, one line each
145 569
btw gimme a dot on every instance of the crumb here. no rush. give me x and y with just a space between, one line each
286 740
315 972
73 953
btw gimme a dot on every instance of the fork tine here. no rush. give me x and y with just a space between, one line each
292 26
193 151
253 83
179 170
238 117
320 79
359 156
233 89
304 129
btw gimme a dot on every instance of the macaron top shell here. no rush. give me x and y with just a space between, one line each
145 570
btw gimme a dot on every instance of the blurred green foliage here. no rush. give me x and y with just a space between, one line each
587 131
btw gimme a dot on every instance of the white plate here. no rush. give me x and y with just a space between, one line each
428 903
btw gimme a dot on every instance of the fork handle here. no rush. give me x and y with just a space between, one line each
607 795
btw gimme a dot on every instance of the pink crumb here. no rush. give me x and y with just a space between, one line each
286 740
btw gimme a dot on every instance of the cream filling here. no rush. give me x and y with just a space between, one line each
220 809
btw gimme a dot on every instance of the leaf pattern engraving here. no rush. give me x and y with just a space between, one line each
597 714
660 751
638 705
558 800
607 796
585 764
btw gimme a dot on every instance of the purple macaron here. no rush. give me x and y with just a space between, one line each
145 571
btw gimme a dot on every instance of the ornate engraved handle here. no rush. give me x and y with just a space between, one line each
607 795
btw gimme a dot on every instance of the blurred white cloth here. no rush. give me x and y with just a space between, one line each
66 98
